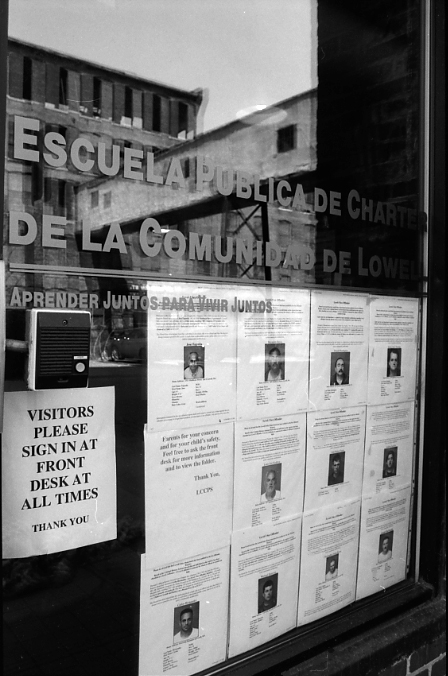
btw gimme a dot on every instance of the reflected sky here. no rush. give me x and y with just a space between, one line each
245 53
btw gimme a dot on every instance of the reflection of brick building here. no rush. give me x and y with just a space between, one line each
275 144
115 111
76 98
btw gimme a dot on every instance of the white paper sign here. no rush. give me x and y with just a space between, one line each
328 561
334 456
392 349
388 461
339 348
188 492
191 356
264 583
383 542
58 470
273 348
269 470
183 615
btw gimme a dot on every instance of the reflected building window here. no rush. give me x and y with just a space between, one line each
62 130
286 138
27 78
107 199
156 112
62 201
127 105
182 123
97 96
63 78
47 189
94 199
185 164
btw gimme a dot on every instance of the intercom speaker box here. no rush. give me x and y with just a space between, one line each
58 349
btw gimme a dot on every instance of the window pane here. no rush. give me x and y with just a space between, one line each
230 230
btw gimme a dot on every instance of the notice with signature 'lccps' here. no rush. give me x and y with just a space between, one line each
188 489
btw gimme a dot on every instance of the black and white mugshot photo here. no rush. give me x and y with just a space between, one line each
390 462
267 592
194 362
186 622
274 362
271 482
393 368
339 369
336 468
332 567
385 546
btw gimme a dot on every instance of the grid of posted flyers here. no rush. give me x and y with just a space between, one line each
278 463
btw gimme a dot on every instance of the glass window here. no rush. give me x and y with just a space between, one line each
215 300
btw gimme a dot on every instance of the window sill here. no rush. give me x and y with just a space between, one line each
314 639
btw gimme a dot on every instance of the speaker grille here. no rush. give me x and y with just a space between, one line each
57 346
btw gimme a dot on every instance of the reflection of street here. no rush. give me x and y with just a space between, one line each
129 381
119 344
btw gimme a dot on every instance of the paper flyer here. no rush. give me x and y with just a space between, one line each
383 541
188 489
191 355
339 349
264 576
184 614
273 348
269 470
392 349
335 456
328 561
388 461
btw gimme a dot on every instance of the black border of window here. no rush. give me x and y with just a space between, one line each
291 648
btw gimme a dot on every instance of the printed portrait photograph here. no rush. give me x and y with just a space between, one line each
194 368
271 482
339 369
393 368
336 468
186 622
385 545
274 368
267 592
390 461
331 567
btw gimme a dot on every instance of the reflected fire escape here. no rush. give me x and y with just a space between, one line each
247 223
